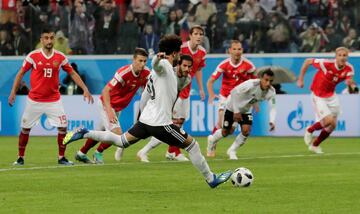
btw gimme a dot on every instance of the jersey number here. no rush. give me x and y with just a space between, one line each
48 72
150 88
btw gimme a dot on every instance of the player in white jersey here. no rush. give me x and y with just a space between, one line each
183 79
156 119
239 106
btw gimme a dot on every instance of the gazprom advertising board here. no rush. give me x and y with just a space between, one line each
294 114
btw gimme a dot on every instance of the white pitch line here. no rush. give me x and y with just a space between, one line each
20 168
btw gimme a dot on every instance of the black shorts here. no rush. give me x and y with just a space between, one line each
169 134
229 119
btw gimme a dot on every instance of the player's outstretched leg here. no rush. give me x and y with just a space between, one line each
74 136
219 179
198 160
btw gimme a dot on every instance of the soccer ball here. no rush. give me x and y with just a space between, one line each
242 177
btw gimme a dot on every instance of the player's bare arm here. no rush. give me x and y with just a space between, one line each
77 79
198 76
304 68
106 102
18 78
209 85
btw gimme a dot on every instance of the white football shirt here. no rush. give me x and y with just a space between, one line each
162 87
244 96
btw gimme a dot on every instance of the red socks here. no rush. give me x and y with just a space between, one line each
88 145
214 129
316 126
323 135
62 147
23 140
102 147
174 149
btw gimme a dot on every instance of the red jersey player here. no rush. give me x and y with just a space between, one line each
235 70
182 107
116 96
325 101
44 96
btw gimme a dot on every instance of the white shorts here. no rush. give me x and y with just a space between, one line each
104 122
181 108
325 106
222 102
53 110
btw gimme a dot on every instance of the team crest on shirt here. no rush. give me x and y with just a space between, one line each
55 63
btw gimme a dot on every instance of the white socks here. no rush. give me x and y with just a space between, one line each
239 141
108 136
217 135
152 144
199 161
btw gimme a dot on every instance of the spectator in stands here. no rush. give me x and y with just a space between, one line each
215 32
351 41
316 11
278 34
79 30
149 40
231 11
331 39
311 39
344 26
30 18
6 47
280 7
204 11
20 42
172 26
128 34
250 9
140 7
106 27
61 43
183 23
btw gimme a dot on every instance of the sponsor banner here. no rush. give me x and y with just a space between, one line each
295 113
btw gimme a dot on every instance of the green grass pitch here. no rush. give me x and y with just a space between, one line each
288 179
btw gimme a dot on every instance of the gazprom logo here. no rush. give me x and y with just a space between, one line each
295 119
45 123
72 124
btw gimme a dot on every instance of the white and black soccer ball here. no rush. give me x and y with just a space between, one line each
242 177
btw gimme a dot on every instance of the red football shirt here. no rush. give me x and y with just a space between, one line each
124 85
233 75
198 63
328 76
44 77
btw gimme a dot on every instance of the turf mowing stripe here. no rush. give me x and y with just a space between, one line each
20 168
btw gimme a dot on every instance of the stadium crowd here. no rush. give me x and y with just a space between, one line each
118 26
